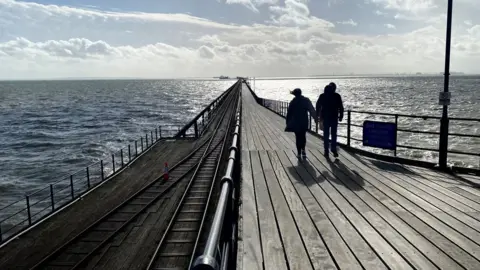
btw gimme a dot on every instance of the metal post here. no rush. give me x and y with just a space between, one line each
444 122
151 137
52 199
160 131
396 125
101 168
136 149
28 210
141 143
129 154
146 140
71 187
349 127
113 162
156 134
195 127
88 179
121 157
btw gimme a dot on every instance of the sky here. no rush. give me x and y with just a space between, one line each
206 38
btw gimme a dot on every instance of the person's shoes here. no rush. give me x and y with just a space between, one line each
304 154
325 153
335 154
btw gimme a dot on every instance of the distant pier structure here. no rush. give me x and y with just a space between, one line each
237 197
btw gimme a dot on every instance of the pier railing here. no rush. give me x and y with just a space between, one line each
220 250
428 128
19 215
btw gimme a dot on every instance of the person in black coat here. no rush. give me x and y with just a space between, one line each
297 119
330 110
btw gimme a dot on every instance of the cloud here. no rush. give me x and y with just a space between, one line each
252 4
58 41
349 22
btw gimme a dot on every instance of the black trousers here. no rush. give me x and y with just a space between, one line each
301 140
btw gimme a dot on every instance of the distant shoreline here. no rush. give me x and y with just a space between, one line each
232 79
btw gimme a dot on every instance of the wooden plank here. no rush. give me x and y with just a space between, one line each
429 185
419 220
382 248
362 251
334 242
295 251
251 256
398 234
270 238
457 217
314 243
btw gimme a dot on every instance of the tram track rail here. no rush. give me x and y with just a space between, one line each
176 249
75 253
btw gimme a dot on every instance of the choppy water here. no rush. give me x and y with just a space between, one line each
402 95
49 129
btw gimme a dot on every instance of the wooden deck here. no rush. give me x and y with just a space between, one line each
349 213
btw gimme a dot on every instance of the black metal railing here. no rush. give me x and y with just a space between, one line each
428 128
219 251
19 215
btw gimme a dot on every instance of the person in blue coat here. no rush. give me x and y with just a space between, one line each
297 119
330 110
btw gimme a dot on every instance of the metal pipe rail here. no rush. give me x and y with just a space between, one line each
208 260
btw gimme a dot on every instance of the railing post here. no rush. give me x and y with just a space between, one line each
121 157
349 126
52 199
396 125
160 131
443 151
129 154
71 187
88 179
151 137
141 143
136 149
146 140
195 127
101 169
113 162
27 198
156 134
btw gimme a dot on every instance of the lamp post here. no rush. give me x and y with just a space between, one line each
445 96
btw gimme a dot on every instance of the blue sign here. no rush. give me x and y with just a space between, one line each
380 135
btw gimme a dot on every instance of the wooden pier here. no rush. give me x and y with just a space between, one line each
252 204
349 213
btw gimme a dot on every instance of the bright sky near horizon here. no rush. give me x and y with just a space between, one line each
204 38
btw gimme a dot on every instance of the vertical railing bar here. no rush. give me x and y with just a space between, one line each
396 125
349 119
121 157
88 178
136 148
52 199
113 163
71 187
101 169
27 198
129 154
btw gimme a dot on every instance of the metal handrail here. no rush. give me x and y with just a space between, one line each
208 260
60 193
281 107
